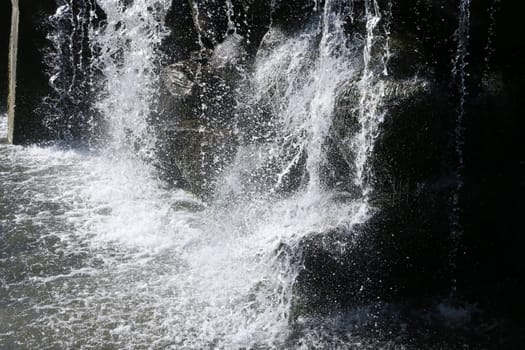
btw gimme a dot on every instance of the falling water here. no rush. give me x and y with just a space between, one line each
370 92
156 268
277 173
127 44
232 29
68 115
460 64
284 246
302 106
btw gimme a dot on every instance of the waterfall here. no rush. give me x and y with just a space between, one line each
275 191
128 56
370 92
111 61
297 81
242 174
72 74
196 22
223 273
304 80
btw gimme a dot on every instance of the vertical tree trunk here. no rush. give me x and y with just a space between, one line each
13 53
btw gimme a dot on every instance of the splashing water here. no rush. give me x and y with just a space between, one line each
146 267
371 93
127 43
232 29
297 80
72 76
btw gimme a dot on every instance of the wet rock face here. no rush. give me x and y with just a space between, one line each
407 252
203 61
292 15
54 105
196 122
340 270
183 39
417 143
415 161
179 79
207 153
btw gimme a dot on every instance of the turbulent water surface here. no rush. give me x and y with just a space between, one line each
96 254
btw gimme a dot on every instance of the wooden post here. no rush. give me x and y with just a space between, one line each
13 53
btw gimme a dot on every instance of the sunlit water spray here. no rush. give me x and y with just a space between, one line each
128 44
145 269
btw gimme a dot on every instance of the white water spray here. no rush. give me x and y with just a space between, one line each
128 45
371 91
232 29
163 274
71 74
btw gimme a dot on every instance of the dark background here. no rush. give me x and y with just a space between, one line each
5 28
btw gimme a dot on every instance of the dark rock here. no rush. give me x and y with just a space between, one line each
183 38
293 15
340 269
57 108
32 81
179 79
68 109
204 156
407 251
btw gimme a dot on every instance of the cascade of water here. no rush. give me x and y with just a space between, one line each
231 283
127 59
298 83
232 29
387 55
196 22
324 85
71 72
460 73
293 96
371 92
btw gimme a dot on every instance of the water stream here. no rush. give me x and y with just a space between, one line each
460 73
98 252
140 267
